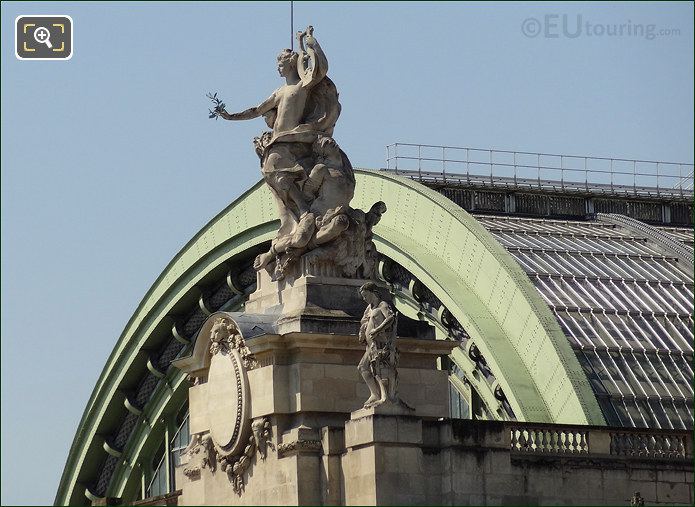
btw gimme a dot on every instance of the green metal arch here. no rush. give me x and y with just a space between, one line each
440 243
484 287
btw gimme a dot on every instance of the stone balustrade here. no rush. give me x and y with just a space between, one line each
524 463
596 440
549 440
651 444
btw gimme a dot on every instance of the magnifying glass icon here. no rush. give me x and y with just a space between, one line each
43 36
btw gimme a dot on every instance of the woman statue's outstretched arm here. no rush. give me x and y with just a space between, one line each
252 112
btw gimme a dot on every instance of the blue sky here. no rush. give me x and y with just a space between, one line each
110 164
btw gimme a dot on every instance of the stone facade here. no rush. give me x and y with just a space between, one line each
295 399
291 366
492 463
400 459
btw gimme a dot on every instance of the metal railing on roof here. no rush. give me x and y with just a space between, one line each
545 171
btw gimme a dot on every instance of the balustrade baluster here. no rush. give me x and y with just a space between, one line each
611 442
657 445
614 443
626 443
585 442
666 446
544 441
680 449
619 443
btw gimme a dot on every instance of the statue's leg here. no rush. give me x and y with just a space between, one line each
262 260
272 174
311 186
282 165
366 372
333 229
383 388
288 183
305 229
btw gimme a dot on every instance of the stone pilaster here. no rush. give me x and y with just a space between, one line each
383 463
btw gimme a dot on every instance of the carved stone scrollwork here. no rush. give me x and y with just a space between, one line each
231 439
225 336
228 407
262 432
202 454
299 446
257 444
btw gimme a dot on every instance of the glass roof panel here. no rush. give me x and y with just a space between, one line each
624 306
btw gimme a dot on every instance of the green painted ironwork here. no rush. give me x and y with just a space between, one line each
440 243
488 293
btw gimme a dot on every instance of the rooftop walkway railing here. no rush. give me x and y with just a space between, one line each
543 171
570 440
591 440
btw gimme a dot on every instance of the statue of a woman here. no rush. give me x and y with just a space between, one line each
300 111
309 176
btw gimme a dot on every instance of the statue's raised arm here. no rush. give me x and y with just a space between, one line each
310 52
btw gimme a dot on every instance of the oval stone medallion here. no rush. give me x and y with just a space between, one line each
227 403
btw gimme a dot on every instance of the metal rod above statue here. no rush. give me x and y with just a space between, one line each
309 175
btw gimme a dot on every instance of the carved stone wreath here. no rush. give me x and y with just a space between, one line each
225 336
203 454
